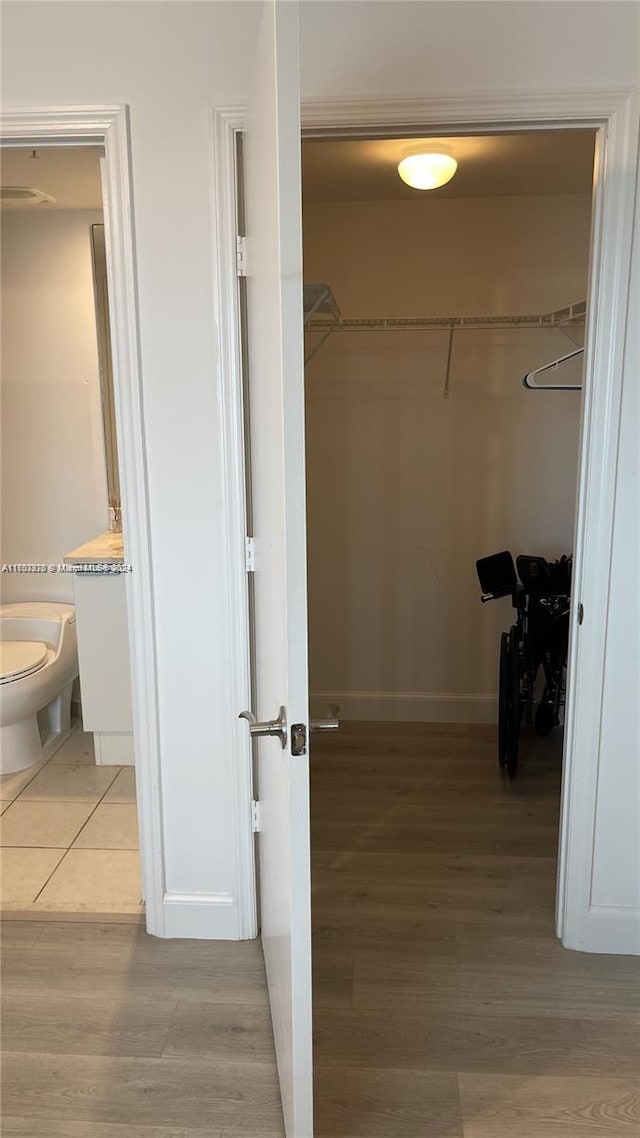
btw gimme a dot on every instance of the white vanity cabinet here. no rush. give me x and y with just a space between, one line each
103 649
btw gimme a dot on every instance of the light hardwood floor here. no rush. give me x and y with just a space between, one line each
109 1033
444 1006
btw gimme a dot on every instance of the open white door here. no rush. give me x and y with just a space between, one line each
272 207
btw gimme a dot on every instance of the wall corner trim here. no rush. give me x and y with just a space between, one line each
610 929
201 916
225 125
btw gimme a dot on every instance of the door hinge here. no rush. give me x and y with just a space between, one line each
249 555
255 817
241 256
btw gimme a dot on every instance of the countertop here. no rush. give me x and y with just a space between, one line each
106 549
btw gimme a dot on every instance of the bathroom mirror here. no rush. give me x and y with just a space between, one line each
106 372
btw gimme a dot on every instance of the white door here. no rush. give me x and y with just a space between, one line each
272 205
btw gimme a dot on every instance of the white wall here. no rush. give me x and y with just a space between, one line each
406 489
386 48
54 494
169 62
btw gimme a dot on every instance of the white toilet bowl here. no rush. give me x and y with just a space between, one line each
39 658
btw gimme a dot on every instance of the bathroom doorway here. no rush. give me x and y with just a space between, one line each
70 812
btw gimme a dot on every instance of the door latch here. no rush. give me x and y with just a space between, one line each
298 739
299 731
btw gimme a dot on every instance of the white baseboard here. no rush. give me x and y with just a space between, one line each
200 916
607 929
114 748
407 707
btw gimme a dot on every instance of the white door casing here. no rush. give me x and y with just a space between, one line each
108 126
581 924
614 113
273 224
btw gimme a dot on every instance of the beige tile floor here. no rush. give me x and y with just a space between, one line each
69 836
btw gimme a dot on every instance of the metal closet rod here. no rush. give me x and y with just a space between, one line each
571 314
323 315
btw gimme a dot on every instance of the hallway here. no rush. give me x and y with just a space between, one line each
444 1005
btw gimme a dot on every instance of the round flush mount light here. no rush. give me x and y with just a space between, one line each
427 171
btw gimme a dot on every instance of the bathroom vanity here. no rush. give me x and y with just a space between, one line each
103 647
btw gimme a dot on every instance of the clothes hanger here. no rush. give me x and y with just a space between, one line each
531 385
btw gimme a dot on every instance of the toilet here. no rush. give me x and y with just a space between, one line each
38 665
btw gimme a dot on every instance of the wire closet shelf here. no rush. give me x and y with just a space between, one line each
323 316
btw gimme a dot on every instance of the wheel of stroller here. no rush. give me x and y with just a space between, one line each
503 699
512 735
545 719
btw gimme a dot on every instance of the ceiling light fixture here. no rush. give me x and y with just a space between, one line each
24 195
427 171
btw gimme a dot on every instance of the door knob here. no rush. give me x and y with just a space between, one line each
276 727
331 723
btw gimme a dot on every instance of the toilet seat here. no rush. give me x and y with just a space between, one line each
19 658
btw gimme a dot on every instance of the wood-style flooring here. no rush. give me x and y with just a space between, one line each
110 1033
444 1005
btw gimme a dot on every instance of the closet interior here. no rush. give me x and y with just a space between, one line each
444 335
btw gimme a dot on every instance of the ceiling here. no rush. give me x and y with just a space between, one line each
69 174
533 162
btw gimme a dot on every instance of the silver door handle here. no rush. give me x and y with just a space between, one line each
276 727
324 724
332 723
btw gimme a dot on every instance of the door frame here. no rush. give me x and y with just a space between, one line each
613 113
108 127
